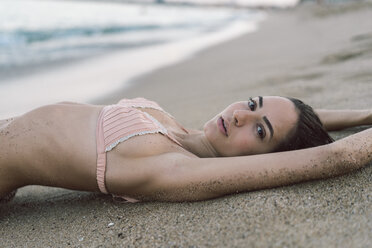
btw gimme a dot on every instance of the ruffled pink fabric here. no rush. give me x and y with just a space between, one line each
119 122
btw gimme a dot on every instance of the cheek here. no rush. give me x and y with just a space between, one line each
211 133
250 145
208 128
244 144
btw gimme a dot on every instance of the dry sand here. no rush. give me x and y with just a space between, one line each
322 56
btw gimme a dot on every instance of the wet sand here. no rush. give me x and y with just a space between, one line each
321 55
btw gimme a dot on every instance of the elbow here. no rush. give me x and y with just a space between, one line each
346 157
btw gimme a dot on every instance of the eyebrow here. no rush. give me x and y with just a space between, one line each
260 104
269 126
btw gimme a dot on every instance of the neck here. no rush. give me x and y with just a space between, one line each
196 143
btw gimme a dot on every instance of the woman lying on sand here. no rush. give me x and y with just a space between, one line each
136 150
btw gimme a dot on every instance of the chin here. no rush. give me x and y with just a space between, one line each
207 131
208 127
210 131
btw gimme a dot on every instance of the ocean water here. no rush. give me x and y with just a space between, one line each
37 31
102 38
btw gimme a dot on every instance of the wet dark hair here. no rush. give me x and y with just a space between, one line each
308 132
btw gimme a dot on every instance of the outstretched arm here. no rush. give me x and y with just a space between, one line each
176 177
341 119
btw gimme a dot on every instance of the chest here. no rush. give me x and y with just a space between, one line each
139 132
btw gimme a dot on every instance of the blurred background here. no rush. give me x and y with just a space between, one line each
54 50
57 50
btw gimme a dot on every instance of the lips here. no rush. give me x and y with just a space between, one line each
222 125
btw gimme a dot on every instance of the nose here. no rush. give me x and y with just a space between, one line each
241 117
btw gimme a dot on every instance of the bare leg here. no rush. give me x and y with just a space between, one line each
8 183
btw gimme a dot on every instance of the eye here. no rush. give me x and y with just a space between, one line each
261 131
252 104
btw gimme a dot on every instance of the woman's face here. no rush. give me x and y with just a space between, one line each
251 127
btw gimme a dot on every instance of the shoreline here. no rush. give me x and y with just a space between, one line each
86 79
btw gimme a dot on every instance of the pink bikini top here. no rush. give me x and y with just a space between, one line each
120 122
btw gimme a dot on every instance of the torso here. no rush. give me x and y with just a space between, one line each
66 157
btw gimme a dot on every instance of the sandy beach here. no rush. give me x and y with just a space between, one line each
322 55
